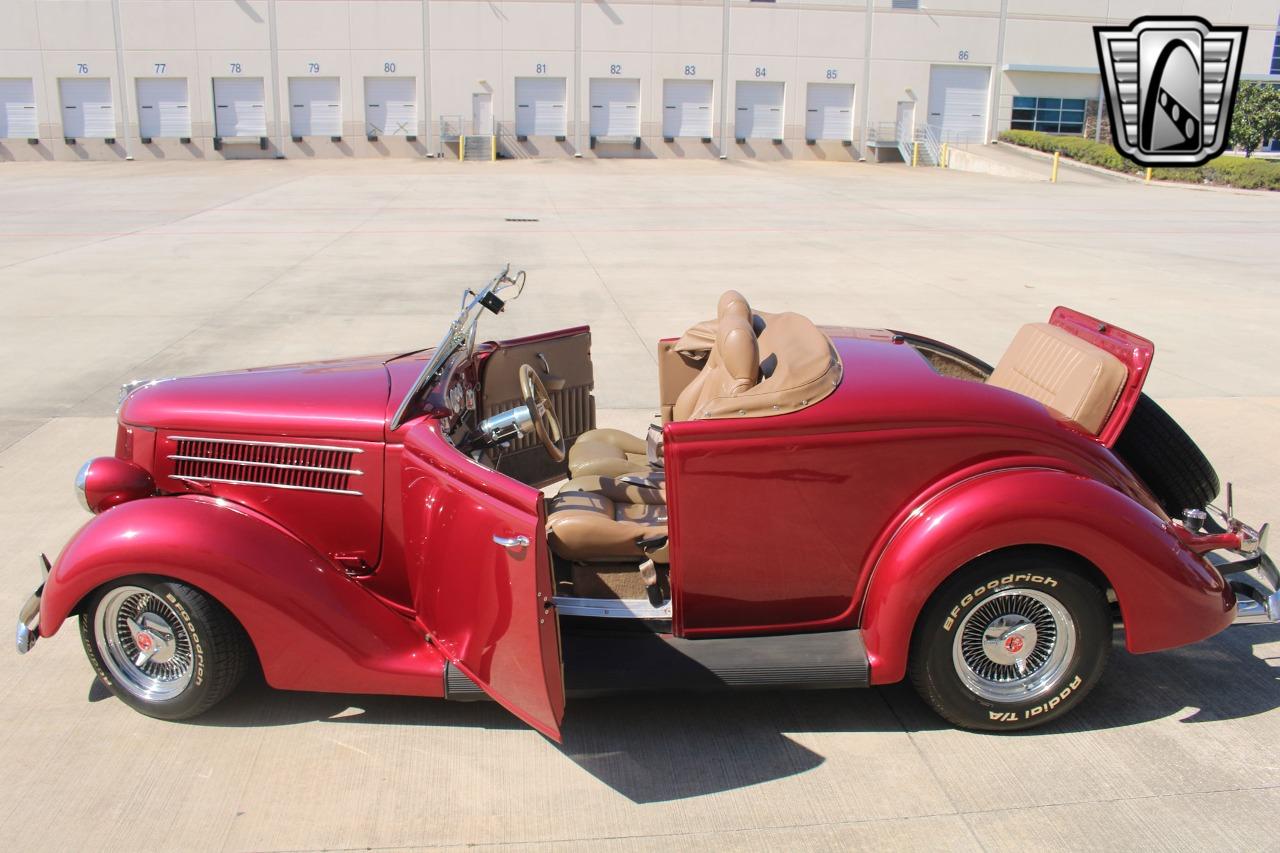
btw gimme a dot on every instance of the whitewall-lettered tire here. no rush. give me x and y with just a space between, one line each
1013 640
163 648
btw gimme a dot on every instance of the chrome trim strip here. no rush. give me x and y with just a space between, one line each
265 485
353 471
265 443
625 608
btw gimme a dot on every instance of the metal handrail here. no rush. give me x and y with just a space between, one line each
451 128
928 134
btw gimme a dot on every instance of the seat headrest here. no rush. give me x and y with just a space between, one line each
733 301
738 348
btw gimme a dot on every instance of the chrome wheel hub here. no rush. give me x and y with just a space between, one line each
143 643
1014 646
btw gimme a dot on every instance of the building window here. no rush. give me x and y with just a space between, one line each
906 4
1048 115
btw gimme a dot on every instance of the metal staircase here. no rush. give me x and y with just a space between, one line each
930 146
477 147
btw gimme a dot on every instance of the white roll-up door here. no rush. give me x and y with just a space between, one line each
540 107
239 107
87 110
829 111
686 108
759 110
163 108
615 107
315 106
391 106
958 102
18 109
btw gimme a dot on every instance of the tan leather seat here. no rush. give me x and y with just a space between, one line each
593 519
612 452
1070 376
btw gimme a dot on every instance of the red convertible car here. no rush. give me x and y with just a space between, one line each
820 507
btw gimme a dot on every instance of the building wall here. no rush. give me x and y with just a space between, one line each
453 49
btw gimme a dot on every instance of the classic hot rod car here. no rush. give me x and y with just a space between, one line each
819 507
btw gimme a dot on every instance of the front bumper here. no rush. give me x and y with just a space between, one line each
29 614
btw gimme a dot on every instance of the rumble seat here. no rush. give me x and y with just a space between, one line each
1070 376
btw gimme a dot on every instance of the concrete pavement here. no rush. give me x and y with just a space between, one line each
113 271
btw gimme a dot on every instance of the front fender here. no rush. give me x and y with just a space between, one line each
313 627
1168 596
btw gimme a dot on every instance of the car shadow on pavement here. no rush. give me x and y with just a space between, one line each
658 747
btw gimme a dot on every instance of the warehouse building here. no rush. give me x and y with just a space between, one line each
797 79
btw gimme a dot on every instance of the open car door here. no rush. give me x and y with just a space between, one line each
480 573
562 361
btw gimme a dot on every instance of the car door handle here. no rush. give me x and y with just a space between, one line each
511 542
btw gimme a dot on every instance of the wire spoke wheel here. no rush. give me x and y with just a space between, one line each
1015 646
143 643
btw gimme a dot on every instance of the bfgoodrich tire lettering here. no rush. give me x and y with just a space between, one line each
163 648
1013 640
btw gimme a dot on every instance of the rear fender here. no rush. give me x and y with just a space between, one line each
313 627
1168 596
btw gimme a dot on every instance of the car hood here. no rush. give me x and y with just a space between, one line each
322 399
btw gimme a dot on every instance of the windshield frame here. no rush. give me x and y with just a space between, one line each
461 333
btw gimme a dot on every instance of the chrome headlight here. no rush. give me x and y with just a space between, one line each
82 477
106 481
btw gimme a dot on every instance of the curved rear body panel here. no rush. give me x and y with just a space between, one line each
775 520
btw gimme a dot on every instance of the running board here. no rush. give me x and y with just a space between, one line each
597 662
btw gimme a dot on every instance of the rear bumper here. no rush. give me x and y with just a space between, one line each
1255 580
29 614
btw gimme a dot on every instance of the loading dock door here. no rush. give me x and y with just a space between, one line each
391 106
686 108
829 112
87 110
163 110
540 107
18 109
958 103
315 108
239 107
759 110
615 107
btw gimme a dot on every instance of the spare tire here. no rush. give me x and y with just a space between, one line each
1168 461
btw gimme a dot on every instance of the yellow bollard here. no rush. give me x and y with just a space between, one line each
945 158
1053 179
1148 180
915 153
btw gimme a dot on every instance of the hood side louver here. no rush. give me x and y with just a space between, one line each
305 467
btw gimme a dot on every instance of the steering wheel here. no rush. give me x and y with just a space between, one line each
545 425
